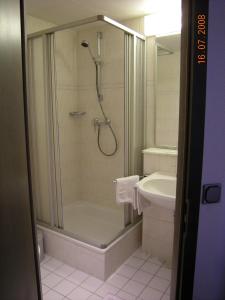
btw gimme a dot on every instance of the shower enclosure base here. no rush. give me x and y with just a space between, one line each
100 263
95 223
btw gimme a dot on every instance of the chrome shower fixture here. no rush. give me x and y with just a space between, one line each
106 121
85 44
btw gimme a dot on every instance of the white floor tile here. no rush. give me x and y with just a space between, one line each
77 277
126 271
44 273
52 280
134 262
92 284
159 284
79 294
64 270
168 291
45 259
164 273
117 280
150 268
65 287
151 294
125 296
45 289
52 264
106 289
52 295
111 297
142 277
165 297
133 288
95 297
155 260
139 253
61 281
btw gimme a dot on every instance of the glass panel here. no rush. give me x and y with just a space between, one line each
39 131
135 82
86 142
86 127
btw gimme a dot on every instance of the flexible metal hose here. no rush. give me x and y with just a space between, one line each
105 117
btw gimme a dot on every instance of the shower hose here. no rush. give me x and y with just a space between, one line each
106 120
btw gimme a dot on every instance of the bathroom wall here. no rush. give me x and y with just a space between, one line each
136 24
97 171
34 24
162 100
150 90
167 99
86 174
156 159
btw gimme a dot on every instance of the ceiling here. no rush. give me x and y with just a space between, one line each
63 11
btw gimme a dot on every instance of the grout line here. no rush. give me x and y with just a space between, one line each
119 289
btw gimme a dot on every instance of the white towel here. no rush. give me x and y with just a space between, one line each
141 202
125 189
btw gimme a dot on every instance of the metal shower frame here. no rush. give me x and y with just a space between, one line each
130 217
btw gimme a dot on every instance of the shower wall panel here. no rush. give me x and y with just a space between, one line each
97 171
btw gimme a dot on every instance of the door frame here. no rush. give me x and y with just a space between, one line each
191 146
19 256
189 161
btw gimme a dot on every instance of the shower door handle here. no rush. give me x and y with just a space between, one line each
77 113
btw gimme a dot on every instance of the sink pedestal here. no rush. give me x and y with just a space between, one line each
158 231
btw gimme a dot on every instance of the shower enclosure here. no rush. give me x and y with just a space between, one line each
86 117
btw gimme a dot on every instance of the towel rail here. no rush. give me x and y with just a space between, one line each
141 177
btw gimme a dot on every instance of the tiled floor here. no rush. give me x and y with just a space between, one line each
139 278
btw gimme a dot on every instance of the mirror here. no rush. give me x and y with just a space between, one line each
167 83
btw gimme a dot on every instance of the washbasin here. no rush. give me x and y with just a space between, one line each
159 188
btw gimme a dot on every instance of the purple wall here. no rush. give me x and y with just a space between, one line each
210 263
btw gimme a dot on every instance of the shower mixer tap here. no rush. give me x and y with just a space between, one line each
99 123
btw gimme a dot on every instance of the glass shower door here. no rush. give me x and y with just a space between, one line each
89 208
86 120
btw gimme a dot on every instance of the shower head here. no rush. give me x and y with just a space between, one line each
85 44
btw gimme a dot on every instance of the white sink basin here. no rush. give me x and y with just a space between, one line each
159 188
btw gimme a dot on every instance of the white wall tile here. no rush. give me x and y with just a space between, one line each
158 162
